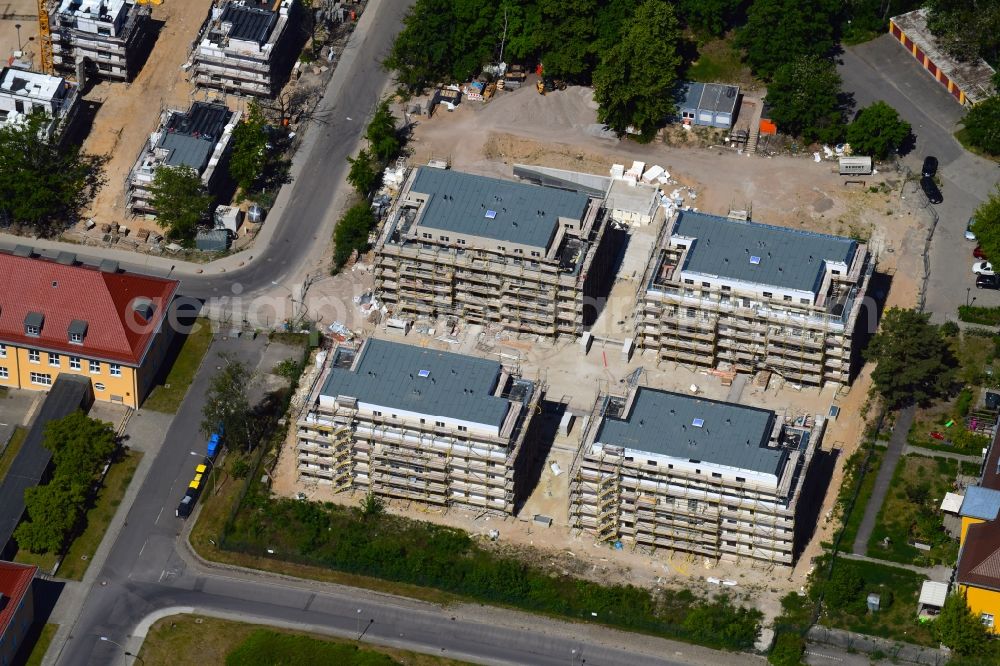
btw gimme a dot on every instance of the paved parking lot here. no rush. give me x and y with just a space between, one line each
882 70
15 406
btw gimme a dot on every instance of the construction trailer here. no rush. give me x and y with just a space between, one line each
527 258
245 47
420 424
665 471
199 138
752 297
103 38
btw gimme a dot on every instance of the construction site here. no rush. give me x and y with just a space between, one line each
491 251
418 424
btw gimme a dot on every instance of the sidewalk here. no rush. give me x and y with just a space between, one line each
939 573
146 431
897 443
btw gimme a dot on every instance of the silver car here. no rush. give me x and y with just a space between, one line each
969 236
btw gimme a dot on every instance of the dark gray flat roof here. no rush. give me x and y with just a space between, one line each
520 213
190 137
662 422
716 97
250 24
391 374
787 258
68 394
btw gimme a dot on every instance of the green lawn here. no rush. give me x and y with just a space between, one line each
41 645
192 639
910 512
45 562
963 139
99 516
168 396
897 618
16 440
719 61
853 520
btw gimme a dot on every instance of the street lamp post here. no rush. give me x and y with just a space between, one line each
125 651
358 616
17 26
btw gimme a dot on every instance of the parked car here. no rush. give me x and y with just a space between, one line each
929 169
982 268
978 253
930 188
988 281
968 230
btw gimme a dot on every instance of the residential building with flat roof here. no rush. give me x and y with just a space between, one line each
107 37
23 93
420 424
199 138
17 607
720 291
58 316
670 471
525 257
245 46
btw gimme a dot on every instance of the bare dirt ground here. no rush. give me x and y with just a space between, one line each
25 14
129 112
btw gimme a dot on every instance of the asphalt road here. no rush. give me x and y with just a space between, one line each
882 70
149 569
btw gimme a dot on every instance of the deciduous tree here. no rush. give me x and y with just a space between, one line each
383 141
249 155
43 185
80 446
804 99
181 202
967 29
365 175
877 131
568 38
780 31
421 55
958 628
52 511
711 17
982 125
634 81
228 403
913 361
987 225
352 232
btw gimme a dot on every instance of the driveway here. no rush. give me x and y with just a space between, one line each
882 70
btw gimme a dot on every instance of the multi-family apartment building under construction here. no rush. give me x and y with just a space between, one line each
526 257
107 38
199 138
663 470
721 291
244 46
420 424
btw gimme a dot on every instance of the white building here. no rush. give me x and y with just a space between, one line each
22 93
243 47
199 138
420 424
106 36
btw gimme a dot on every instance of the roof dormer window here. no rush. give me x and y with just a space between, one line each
33 324
77 331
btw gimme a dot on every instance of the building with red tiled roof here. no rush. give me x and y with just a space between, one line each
57 316
17 608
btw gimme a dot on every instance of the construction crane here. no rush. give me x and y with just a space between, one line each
45 38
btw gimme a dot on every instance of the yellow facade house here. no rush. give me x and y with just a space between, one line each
58 316
978 572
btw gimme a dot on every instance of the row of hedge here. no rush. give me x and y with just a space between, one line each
420 553
977 314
